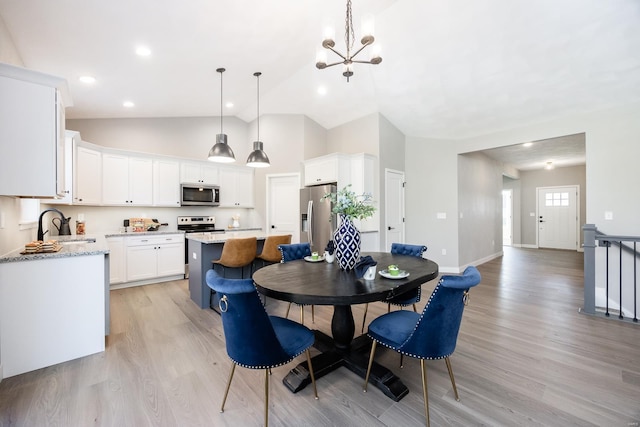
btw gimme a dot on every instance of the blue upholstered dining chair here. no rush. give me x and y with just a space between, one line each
408 298
254 339
430 335
293 252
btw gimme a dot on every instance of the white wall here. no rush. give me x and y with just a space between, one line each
432 187
479 208
358 136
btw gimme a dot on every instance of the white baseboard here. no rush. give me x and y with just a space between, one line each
458 270
530 246
146 282
1 374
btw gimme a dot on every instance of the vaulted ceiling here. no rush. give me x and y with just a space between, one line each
451 69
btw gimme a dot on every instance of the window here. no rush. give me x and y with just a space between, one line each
556 199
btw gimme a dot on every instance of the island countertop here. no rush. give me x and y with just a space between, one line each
74 245
211 238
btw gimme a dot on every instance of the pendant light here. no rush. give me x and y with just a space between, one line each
221 152
258 158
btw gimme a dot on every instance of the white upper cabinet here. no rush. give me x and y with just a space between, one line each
236 187
71 138
87 176
195 172
127 181
166 183
326 169
31 133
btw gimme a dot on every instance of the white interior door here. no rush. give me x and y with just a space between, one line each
558 217
507 217
393 207
283 205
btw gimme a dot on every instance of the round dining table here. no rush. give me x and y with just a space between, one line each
322 283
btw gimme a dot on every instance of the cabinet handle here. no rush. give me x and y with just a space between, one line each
144 240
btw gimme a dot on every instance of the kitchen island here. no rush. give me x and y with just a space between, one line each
53 306
205 247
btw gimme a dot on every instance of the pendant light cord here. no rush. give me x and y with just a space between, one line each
257 74
221 70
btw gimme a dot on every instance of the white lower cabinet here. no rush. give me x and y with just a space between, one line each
117 260
154 257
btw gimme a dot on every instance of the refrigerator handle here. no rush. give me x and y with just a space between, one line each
310 221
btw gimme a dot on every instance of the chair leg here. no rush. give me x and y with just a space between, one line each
453 381
414 308
401 360
266 398
226 391
302 314
373 352
425 391
313 377
388 308
364 318
313 314
286 316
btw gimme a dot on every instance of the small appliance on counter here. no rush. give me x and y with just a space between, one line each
144 224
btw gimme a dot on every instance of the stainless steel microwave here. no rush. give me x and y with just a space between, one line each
199 195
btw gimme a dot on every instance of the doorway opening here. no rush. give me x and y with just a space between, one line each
507 217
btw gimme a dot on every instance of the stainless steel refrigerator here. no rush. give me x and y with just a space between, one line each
318 222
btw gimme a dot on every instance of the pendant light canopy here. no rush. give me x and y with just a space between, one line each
258 158
221 152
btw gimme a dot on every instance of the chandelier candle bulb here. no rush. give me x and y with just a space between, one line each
368 27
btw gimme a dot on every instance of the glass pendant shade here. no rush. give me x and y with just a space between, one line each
221 152
258 158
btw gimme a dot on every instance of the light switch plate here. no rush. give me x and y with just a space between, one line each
441 215
194 255
1 219
608 215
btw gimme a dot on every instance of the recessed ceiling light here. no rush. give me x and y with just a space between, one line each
87 79
143 51
128 104
322 90
527 144
549 166
229 105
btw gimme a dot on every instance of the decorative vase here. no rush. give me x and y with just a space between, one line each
347 241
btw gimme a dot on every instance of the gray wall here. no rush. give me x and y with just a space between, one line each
530 180
479 208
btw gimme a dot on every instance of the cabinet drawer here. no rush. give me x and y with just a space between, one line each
155 240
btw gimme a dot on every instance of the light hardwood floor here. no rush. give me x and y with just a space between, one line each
525 356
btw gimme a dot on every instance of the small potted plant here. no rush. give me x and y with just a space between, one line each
328 251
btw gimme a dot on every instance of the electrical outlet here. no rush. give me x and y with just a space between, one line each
441 215
194 255
444 252
608 215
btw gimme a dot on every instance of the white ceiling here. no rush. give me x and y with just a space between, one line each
451 69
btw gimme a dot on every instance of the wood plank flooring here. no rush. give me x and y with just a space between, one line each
525 357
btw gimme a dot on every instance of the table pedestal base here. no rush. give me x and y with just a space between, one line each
356 360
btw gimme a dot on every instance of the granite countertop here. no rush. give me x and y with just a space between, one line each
210 238
71 246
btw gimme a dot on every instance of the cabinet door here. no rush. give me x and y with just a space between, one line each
140 181
170 259
190 172
228 188
166 183
141 262
115 179
67 197
209 174
88 177
116 260
244 187
28 138
320 171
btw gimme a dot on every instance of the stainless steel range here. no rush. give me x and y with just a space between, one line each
195 224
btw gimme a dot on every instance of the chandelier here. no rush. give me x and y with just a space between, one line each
348 59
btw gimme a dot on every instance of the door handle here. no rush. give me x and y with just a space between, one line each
273 226
390 228
541 221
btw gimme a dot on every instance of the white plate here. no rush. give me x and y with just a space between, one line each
401 274
309 259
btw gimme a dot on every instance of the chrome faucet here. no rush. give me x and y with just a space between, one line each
64 224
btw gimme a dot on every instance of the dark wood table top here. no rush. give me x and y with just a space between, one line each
321 283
